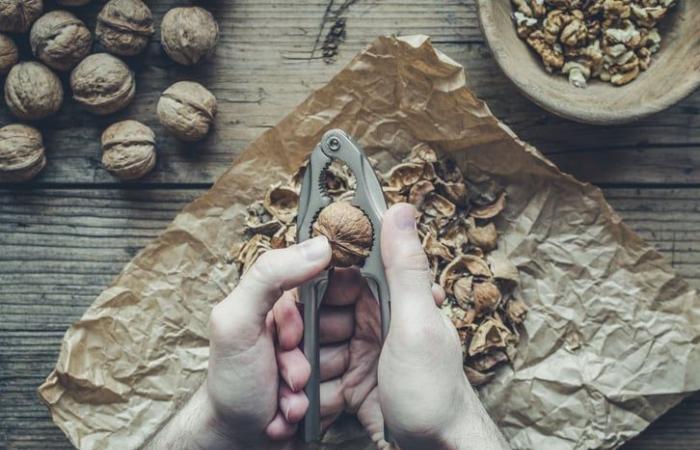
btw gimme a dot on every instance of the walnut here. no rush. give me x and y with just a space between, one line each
16 16
8 53
102 84
21 153
60 40
348 231
33 91
124 27
189 34
187 109
128 149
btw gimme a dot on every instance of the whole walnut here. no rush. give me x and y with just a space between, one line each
124 27
60 40
8 53
21 153
187 109
349 233
128 149
16 16
189 34
33 91
102 84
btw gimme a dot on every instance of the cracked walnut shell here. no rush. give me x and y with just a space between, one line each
21 153
349 233
17 16
128 149
60 40
8 53
124 27
187 109
102 84
33 91
189 34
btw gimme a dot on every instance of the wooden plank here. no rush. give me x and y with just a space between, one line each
262 70
60 248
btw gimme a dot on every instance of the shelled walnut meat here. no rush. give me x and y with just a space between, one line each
124 27
8 53
21 153
611 40
457 226
189 34
60 40
128 149
17 16
102 84
187 110
32 91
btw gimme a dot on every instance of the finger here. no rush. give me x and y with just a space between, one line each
334 361
344 287
438 294
279 429
406 265
332 401
288 321
294 368
336 324
276 271
292 404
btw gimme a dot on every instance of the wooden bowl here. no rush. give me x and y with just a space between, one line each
674 72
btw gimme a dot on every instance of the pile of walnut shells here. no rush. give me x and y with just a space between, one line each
456 225
101 83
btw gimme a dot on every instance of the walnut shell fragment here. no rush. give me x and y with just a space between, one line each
349 233
282 201
128 149
60 40
21 153
189 34
187 110
124 27
33 91
9 55
17 16
102 84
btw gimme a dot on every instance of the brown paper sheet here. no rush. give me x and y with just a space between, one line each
609 343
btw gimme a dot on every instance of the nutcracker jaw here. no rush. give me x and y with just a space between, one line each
369 197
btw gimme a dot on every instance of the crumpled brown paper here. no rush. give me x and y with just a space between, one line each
609 343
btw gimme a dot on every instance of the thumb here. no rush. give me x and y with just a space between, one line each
406 265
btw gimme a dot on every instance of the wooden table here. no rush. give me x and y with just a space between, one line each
67 234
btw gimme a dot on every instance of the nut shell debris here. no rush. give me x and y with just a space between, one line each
8 53
124 27
349 233
17 16
21 153
189 34
128 149
102 84
32 91
60 40
187 110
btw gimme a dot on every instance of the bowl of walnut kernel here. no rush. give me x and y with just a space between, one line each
597 61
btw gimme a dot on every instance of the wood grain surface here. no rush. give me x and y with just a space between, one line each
64 236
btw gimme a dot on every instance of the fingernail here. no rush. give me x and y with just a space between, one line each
314 249
284 406
406 217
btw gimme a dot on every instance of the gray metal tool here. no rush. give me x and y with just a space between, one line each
369 197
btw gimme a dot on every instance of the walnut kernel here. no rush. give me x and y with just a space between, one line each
187 109
33 91
349 233
8 53
128 149
124 27
17 16
102 84
21 153
60 40
189 34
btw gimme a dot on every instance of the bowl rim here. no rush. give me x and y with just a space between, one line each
604 117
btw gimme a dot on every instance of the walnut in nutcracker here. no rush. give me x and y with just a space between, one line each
124 27
187 109
60 40
17 16
349 233
21 153
33 91
189 34
128 149
102 84
8 53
